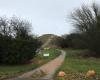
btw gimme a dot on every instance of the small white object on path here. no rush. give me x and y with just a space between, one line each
46 54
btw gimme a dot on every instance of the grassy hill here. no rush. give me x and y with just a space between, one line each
54 41
45 37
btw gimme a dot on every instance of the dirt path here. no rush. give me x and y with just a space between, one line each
52 66
49 69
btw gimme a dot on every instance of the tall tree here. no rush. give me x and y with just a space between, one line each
87 22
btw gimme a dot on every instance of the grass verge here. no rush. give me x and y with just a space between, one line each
76 67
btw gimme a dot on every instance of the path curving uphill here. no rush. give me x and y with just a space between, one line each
47 42
49 69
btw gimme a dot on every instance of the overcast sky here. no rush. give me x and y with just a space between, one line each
46 16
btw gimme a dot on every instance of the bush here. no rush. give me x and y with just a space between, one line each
75 40
16 51
17 48
58 41
87 22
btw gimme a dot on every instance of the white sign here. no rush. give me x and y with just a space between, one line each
46 54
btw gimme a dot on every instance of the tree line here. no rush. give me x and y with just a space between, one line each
86 21
17 44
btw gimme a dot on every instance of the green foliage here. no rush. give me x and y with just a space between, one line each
56 41
87 22
16 44
75 40
18 51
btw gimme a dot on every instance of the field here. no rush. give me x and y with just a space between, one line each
76 67
7 71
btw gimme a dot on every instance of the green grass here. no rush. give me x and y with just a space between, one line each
12 71
76 67
53 53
